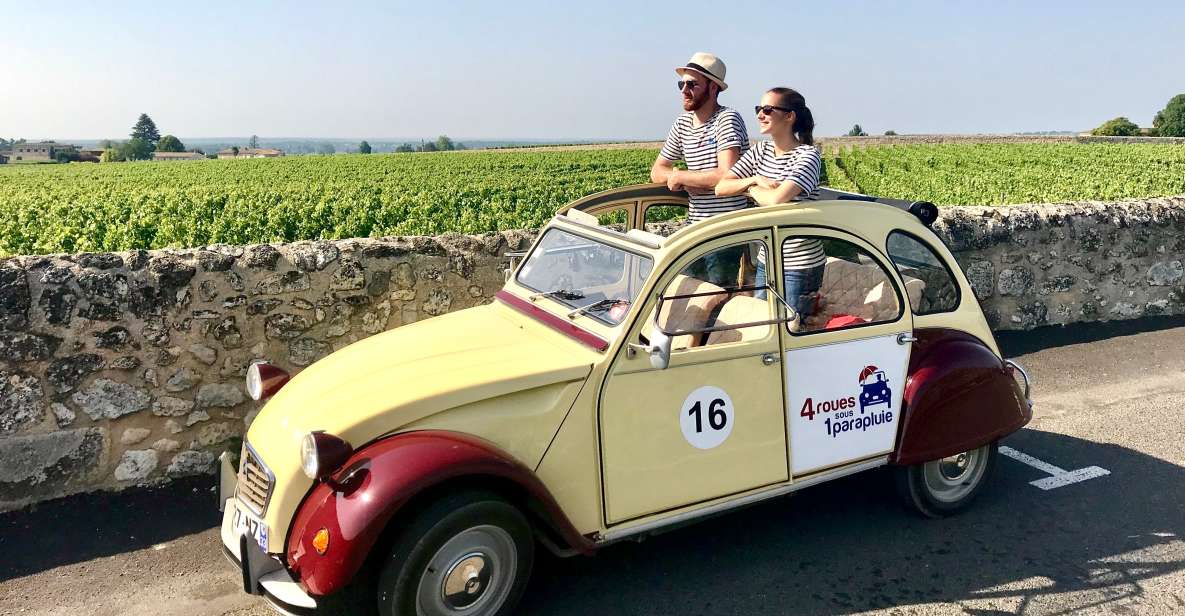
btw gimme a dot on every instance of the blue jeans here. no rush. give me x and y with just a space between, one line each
802 287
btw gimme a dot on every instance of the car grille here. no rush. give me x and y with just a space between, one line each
255 481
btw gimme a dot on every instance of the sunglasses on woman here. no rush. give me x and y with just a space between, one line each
768 109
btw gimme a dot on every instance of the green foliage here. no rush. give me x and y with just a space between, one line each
998 174
364 147
405 148
145 129
66 156
110 155
890 133
134 149
1170 121
857 132
169 143
73 208
444 144
1118 127
427 147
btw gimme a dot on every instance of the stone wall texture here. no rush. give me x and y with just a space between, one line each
127 368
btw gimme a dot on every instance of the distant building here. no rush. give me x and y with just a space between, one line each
250 153
177 156
43 151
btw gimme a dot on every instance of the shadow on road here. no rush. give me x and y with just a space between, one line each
1015 343
849 546
89 526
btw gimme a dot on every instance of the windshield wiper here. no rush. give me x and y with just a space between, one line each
564 294
598 306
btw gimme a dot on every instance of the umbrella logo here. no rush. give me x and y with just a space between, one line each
874 388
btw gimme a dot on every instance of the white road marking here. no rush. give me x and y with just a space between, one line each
1059 476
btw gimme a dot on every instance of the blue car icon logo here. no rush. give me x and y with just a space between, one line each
874 390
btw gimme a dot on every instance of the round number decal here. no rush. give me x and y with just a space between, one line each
706 417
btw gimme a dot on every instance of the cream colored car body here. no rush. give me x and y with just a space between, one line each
499 374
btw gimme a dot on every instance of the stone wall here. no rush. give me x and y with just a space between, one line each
127 368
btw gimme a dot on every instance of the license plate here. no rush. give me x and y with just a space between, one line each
247 525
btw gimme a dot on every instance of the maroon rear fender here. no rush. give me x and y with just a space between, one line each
381 478
958 396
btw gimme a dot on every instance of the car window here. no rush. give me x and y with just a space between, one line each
718 290
834 284
665 219
928 283
599 279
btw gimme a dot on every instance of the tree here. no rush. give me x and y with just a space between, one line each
890 133
857 132
1170 121
253 142
169 143
110 155
405 148
145 129
1119 127
134 149
326 148
66 156
364 147
235 150
444 144
426 147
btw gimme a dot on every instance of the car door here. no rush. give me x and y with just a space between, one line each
711 423
846 355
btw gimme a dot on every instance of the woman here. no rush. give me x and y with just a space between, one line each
781 169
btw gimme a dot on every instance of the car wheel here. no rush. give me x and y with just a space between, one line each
468 553
942 487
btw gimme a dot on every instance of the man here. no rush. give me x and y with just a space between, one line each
710 139
707 136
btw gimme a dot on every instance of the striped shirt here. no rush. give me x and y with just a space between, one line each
802 166
697 146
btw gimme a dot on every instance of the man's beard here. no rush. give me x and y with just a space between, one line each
697 101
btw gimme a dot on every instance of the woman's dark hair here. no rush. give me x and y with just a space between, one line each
804 121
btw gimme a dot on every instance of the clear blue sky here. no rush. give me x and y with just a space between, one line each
552 70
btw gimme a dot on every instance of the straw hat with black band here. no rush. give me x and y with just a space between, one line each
707 65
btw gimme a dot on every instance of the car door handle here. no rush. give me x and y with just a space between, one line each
905 338
769 359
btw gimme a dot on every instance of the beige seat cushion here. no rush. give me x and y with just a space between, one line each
741 309
691 312
861 290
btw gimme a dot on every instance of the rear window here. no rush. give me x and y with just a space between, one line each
929 284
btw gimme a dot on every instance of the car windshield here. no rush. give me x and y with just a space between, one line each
591 277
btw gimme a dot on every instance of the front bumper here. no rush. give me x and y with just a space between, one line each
263 574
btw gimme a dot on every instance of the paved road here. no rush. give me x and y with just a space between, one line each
1107 396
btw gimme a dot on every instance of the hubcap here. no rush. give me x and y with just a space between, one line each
466 581
953 478
471 574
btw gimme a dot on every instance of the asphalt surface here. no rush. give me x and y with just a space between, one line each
1109 396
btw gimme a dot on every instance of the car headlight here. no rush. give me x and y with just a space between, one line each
264 380
321 454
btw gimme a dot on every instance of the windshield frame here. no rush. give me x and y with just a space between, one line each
599 235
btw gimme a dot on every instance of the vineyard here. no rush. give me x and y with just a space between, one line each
88 207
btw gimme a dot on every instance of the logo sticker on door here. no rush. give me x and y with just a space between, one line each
843 401
706 417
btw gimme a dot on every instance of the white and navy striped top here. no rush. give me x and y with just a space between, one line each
697 146
802 165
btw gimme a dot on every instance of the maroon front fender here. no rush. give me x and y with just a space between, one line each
958 396
385 476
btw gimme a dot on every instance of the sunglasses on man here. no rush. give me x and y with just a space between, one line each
769 109
688 83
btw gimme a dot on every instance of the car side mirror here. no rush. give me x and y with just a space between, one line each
659 348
